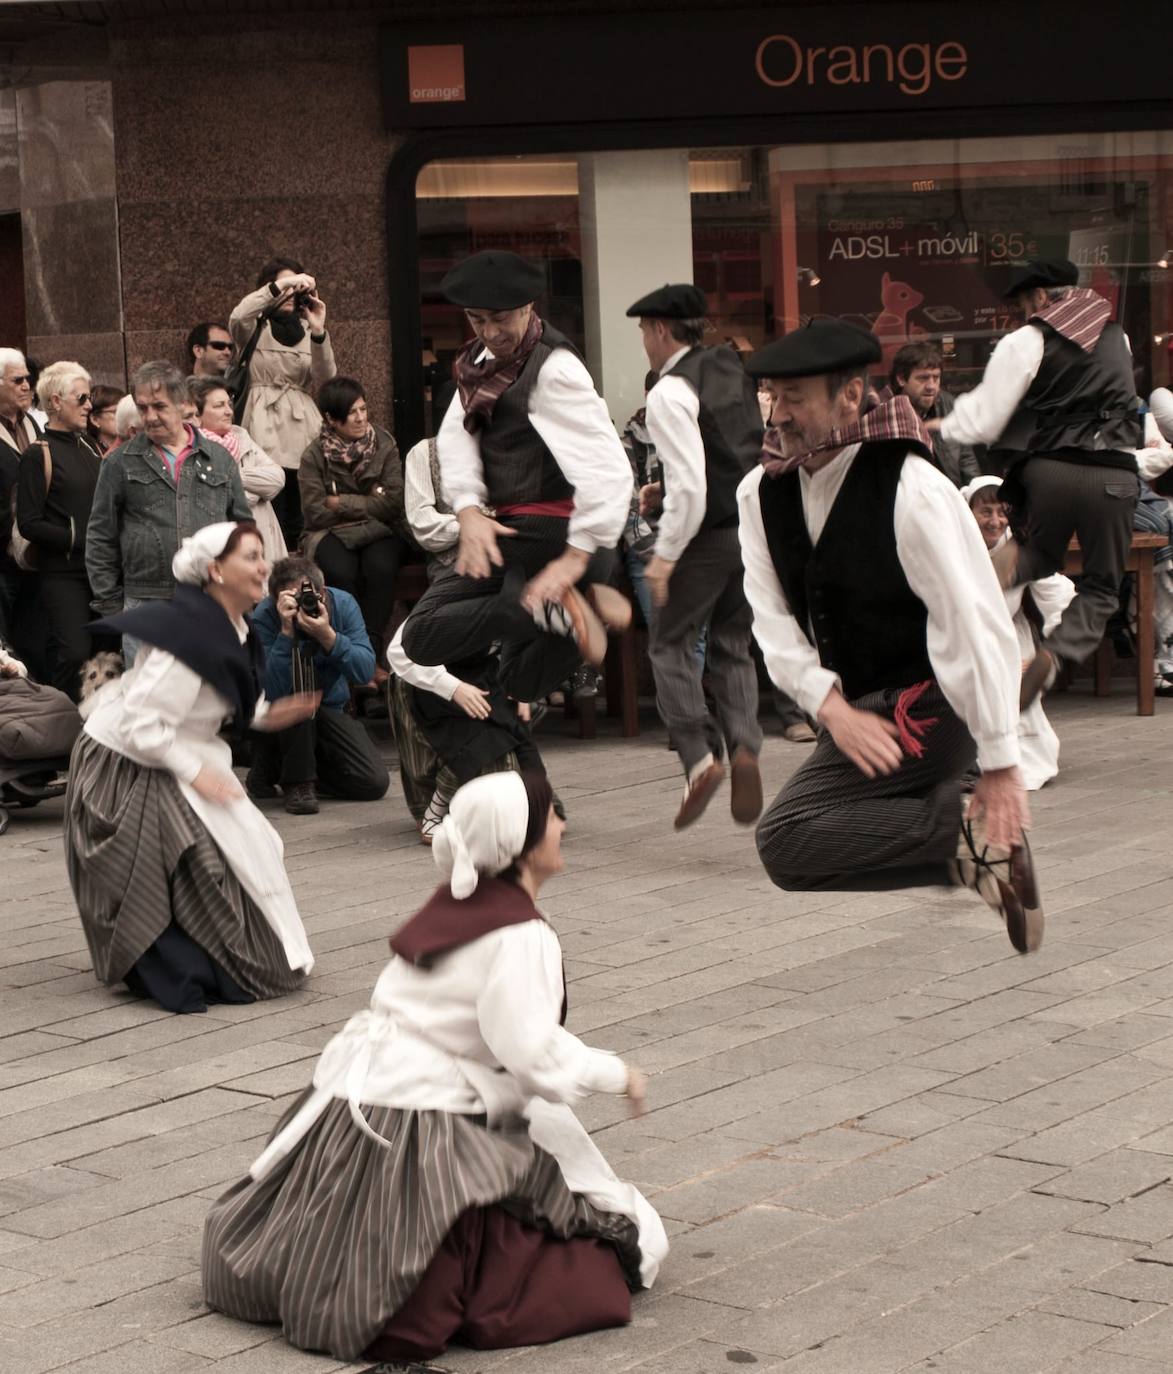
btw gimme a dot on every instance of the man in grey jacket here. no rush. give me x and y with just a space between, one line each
916 373
153 492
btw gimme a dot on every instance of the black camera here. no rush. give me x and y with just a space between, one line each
308 599
303 301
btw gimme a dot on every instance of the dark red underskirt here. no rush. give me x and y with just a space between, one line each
495 1283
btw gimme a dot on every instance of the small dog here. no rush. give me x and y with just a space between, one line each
98 671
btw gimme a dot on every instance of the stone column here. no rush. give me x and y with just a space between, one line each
636 221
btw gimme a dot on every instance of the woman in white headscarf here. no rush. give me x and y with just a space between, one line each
179 879
433 1185
1048 596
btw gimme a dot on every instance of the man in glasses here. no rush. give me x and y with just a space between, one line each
209 348
18 430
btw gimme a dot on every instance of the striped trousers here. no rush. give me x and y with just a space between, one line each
706 589
833 828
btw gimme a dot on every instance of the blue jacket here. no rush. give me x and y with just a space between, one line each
350 660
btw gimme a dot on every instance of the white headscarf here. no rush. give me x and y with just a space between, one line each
483 832
199 550
971 489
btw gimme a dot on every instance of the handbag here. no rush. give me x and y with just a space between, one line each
21 550
237 379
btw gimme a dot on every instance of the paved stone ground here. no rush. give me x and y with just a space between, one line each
881 1141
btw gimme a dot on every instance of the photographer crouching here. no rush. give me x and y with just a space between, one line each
314 640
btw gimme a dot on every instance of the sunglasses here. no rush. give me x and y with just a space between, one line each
20 381
220 344
82 400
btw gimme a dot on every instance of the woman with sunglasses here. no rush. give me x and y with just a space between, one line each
53 514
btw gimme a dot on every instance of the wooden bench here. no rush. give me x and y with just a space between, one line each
620 670
1141 556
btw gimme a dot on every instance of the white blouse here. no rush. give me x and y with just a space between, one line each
971 641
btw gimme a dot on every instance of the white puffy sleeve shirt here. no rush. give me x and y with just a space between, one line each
437 1039
970 638
673 413
572 419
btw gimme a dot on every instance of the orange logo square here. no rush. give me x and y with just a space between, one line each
435 72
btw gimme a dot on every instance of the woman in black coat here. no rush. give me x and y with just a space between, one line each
53 515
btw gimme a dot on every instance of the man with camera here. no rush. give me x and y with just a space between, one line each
314 640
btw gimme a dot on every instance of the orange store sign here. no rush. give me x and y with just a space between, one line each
782 61
435 72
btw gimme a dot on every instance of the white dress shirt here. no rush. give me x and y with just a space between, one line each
979 416
433 530
435 679
673 414
970 638
572 419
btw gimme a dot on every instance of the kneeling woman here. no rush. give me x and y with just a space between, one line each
432 1185
179 879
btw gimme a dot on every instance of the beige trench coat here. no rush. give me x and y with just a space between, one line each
262 479
280 413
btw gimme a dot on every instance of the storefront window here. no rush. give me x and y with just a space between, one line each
913 240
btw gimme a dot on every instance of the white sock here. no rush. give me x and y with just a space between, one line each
698 768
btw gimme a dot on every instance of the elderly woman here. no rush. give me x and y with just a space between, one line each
102 426
1049 596
54 497
352 501
433 1184
293 353
262 478
179 879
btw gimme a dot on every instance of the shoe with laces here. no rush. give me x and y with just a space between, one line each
1005 881
301 799
259 785
573 617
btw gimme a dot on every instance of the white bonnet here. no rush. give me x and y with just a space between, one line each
971 489
483 832
199 550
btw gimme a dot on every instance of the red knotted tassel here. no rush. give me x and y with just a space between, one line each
911 731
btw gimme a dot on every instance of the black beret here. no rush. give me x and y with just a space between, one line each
493 281
682 301
822 346
1042 272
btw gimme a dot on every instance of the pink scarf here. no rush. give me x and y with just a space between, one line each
892 419
1079 316
230 441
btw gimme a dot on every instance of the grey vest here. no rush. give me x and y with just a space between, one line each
519 468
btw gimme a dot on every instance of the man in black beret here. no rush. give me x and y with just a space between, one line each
704 420
537 477
1058 405
877 609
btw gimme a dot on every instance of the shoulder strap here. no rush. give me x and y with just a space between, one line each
47 460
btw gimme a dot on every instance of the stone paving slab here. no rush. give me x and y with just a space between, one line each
880 1140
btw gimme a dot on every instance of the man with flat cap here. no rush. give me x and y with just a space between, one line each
538 479
1058 405
876 607
704 420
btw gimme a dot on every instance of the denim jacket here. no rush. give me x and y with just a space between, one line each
140 515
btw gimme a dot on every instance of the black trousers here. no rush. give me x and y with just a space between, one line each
833 828
331 749
459 617
287 508
66 598
368 574
1097 505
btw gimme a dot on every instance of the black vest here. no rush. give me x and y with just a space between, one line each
849 589
518 466
730 422
1075 397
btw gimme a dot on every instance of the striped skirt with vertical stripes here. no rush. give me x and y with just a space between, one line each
140 861
335 1240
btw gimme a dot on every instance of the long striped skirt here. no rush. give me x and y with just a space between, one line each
160 907
447 1231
